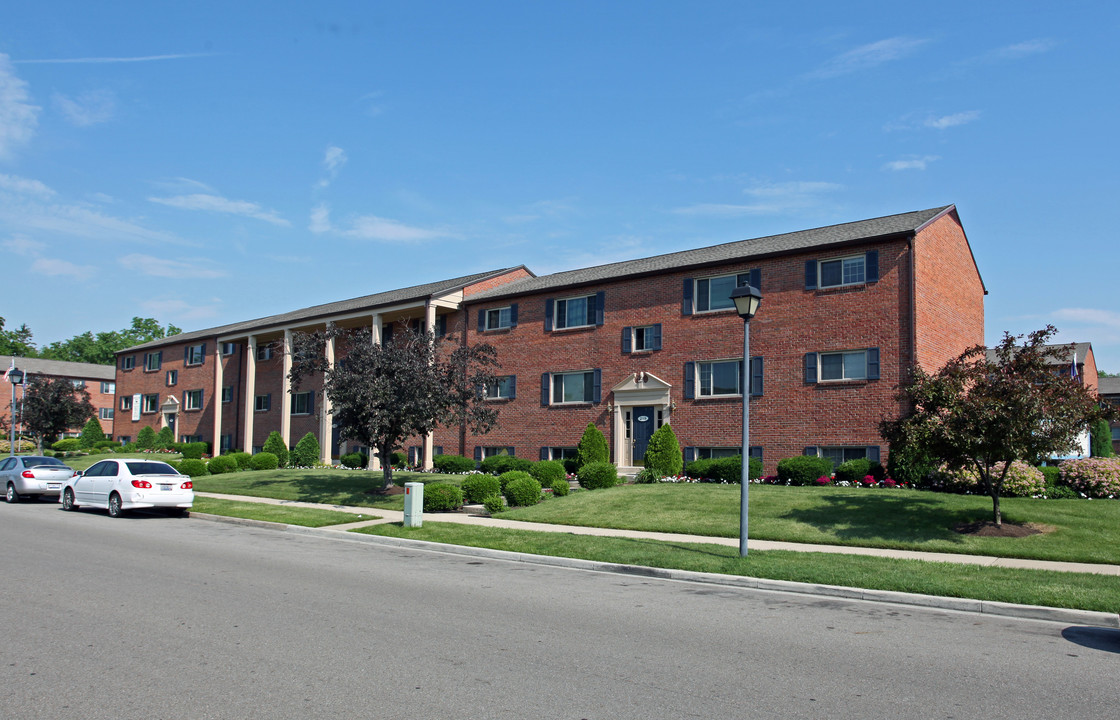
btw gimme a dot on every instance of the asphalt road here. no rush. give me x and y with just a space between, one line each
152 617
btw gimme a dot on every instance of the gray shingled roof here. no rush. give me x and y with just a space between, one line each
59 368
727 252
1062 357
367 302
1108 385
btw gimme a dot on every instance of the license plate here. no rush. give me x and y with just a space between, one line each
54 486
166 487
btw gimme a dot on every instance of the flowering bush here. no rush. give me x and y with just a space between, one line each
1022 480
1093 477
824 480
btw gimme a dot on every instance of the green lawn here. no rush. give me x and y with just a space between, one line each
1032 587
307 517
328 486
1085 530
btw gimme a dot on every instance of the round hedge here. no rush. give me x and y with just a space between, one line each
803 469
453 465
442 496
494 504
500 464
264 461
507 477
548 471
243 459
192 467
476 488
354 460
597 475
222 464
560 487
523 491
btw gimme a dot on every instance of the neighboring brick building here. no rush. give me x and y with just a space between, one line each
846 310
1109 388
97 380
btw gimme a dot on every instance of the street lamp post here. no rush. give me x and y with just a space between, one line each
747 300
15 377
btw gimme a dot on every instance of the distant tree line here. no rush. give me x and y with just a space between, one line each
99 349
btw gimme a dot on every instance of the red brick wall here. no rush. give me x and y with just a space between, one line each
515 274
98 399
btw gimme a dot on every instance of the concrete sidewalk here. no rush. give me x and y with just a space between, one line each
468 518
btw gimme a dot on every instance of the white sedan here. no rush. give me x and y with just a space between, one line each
120 485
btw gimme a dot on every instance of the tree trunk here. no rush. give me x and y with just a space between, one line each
995 509
386 464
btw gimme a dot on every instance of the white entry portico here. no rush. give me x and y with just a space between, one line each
641 403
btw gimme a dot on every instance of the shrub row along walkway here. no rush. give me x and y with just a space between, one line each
468 518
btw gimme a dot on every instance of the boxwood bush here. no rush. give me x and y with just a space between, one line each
523 491
1056 489
222 464
507 477
494 504
275 445
65 445
354 460
453 465
476 488
264 461
803 469
398 459
597 475
499 464
560 487
243 459
853 470
663 454
193 450
193 467
306 452
442 497
548 471
723 470
146 438
592 446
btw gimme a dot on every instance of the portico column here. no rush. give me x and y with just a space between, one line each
619 433
430 328
375 335
286 391
326 414
250 390
216 401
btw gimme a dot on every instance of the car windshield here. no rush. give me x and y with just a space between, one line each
33 462
146 467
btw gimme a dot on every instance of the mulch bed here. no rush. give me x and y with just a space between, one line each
988 528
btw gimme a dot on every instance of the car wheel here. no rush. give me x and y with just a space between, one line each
115 509
12 496
68 500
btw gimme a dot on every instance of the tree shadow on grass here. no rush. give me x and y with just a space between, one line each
887 517
331 488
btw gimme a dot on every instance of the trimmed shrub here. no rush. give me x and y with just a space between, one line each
398 459
494 504
174 464
523 491
597 475
453 465
500 464
264 461
698 469
165 438
67 444
1093 477
306 453
222 464
1100 439
91 434
194 450
1056 489
107 444
910 464
646 476
853 470
476 488
663 454
547 472
354 460
507 477
146 438
1022 480
275 445
571 465
192 467
803 469
723 470
592 447
442 497
244 460
560 487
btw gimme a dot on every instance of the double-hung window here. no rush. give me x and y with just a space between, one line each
841 366
505 388
172 378
264 352
302 403
78 384
194 354
228 348
842 271
263 403
497 318
839 455
105 413
108 388
721 378
192 400
714 293
126 402
571 387
128 362
574 312
153 361
227 394
149 403
643 338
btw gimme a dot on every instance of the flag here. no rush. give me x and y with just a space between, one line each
1073 366
9 372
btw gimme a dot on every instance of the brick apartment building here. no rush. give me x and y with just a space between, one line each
97 380
1109 388
628 346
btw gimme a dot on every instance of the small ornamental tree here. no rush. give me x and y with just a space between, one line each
306 452
663 454
985 414
275 444
146 438
592 446
53 406
91 434
165 437
1100 439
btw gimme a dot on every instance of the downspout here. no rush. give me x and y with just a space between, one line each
237 401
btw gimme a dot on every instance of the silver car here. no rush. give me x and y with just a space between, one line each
33 476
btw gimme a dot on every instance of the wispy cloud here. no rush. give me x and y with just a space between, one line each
372 227
934 121
24 186
18 117
915 163
769 199
868 56
95 60
948 121
333 160
55 267
89 108
165 267
23 245
216 203
79 222
320 219
179 310
1023 49
540 210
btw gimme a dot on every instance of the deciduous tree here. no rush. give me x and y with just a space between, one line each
983 414
53 406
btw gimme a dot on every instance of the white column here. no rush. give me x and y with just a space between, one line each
326 414
286 391
216 401
430 328
250 390
375 331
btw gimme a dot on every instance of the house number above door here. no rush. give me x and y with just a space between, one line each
643 418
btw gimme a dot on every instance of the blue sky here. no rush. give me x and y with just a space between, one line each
205 163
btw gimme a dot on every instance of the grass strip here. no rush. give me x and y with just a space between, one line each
1081 591
326 486
307 517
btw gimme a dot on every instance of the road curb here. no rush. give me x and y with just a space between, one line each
967 605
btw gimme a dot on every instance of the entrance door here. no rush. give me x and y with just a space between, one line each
643 428
171 424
